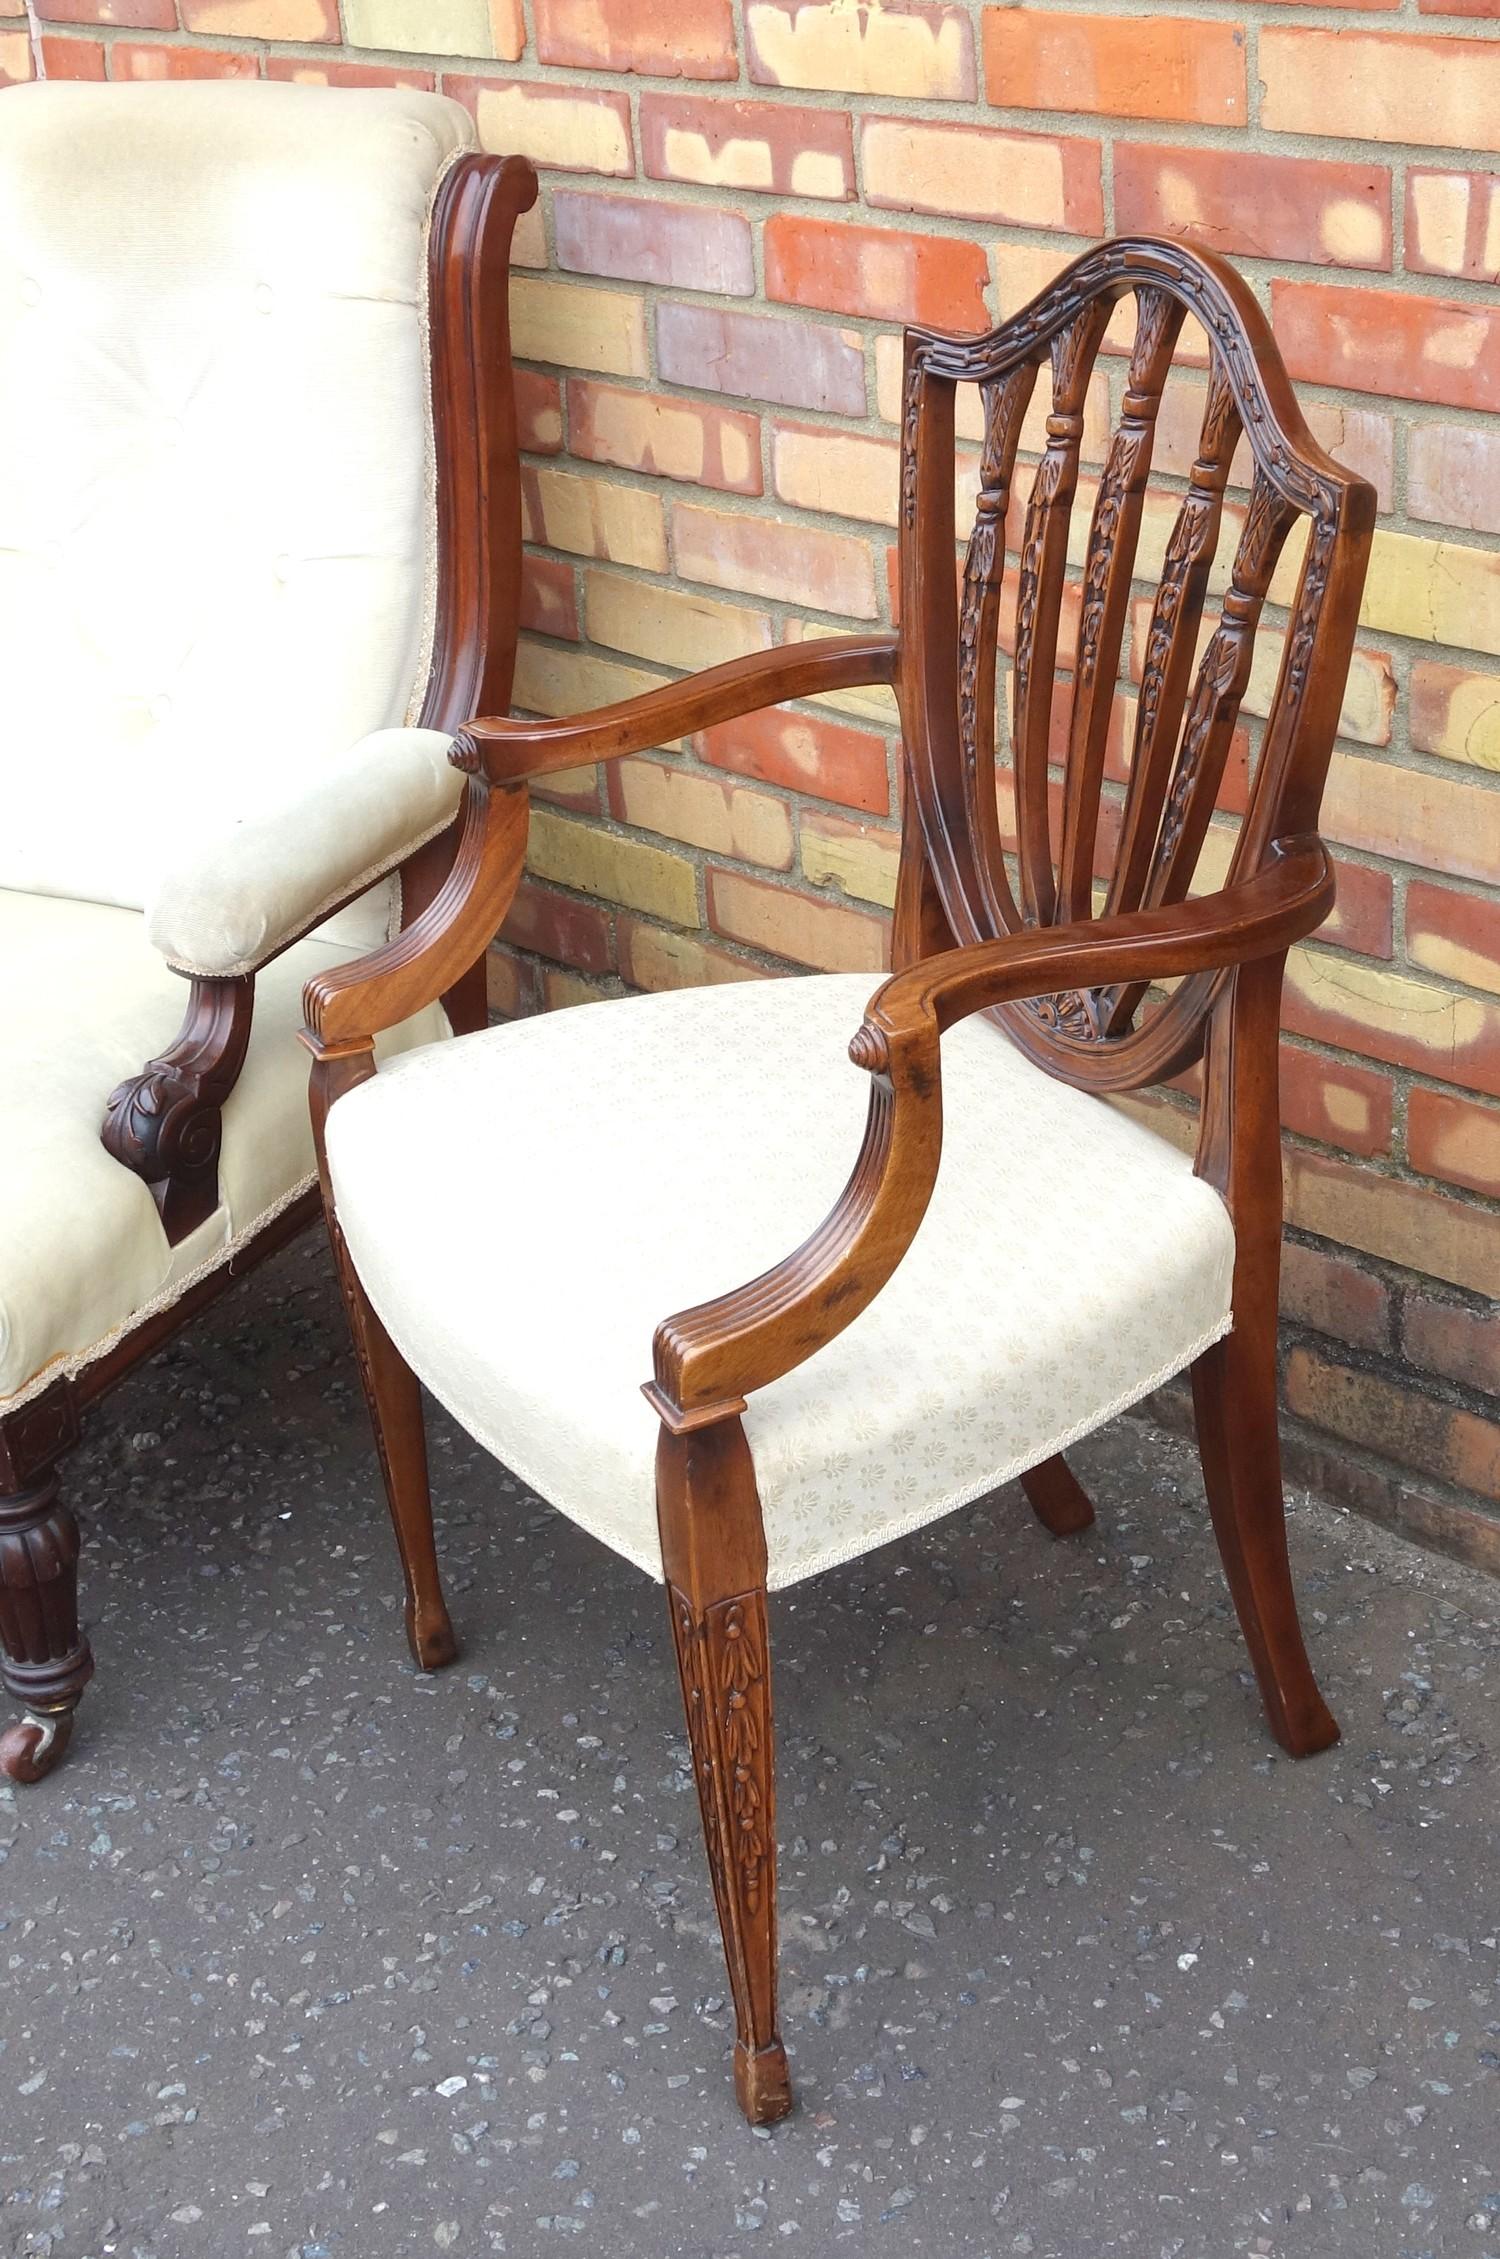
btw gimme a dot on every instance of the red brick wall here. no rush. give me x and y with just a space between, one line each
743 200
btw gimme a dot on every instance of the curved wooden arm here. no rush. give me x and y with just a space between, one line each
1290 897
507 752
708 1359
348 1006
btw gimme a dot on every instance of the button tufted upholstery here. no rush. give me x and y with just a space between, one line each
217 559
214 539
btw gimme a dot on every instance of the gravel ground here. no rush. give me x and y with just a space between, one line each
310 1958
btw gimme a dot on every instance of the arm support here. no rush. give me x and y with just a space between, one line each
506 752
347 1006
353 1003
710 1358
244 896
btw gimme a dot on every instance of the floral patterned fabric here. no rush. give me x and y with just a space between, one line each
525 1205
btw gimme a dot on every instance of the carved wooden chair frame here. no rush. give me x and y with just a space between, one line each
165 1122
1068 986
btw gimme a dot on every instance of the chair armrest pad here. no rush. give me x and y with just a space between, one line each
244 893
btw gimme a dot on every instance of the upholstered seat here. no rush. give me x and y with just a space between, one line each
84 999
659 1151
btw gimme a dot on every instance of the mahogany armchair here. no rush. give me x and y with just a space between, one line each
1010 1261
259 547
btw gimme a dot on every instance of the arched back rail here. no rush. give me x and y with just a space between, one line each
1063 642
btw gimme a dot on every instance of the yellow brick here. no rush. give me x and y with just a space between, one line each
554 680
1437 591
857 858
706 812
1392 1005
421 27
1441 210
596 517
601 863
560 988
1369 692
860 50
1423 1231
773 918
674 627
1177 1125
577 136
667 437
1466 725
984 175
1450 960
528 245
655 958
264 19
1417 817
578 328
838 471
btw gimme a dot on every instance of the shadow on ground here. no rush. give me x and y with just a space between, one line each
303 1956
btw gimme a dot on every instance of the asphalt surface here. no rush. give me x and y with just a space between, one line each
306 1957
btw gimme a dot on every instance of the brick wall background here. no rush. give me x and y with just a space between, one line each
743 199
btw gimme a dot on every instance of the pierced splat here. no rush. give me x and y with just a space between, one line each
1108 572
954 878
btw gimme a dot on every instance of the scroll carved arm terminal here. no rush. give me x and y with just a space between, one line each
709 1359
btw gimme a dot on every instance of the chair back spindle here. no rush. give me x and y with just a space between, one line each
1034 823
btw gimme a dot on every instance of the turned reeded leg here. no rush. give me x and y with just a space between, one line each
44 1661
714 1553
1058 1498
393 1395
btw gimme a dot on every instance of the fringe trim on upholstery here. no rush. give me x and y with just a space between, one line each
1009 1472
906 1525
66 1367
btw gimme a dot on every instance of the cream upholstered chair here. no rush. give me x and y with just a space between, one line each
939 1328
258 555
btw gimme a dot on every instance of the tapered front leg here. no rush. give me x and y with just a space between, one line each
392 1391
393 1395
714 1554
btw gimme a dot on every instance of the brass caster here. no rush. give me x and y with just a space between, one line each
34 1744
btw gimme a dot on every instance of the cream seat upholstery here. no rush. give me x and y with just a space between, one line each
657 1151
